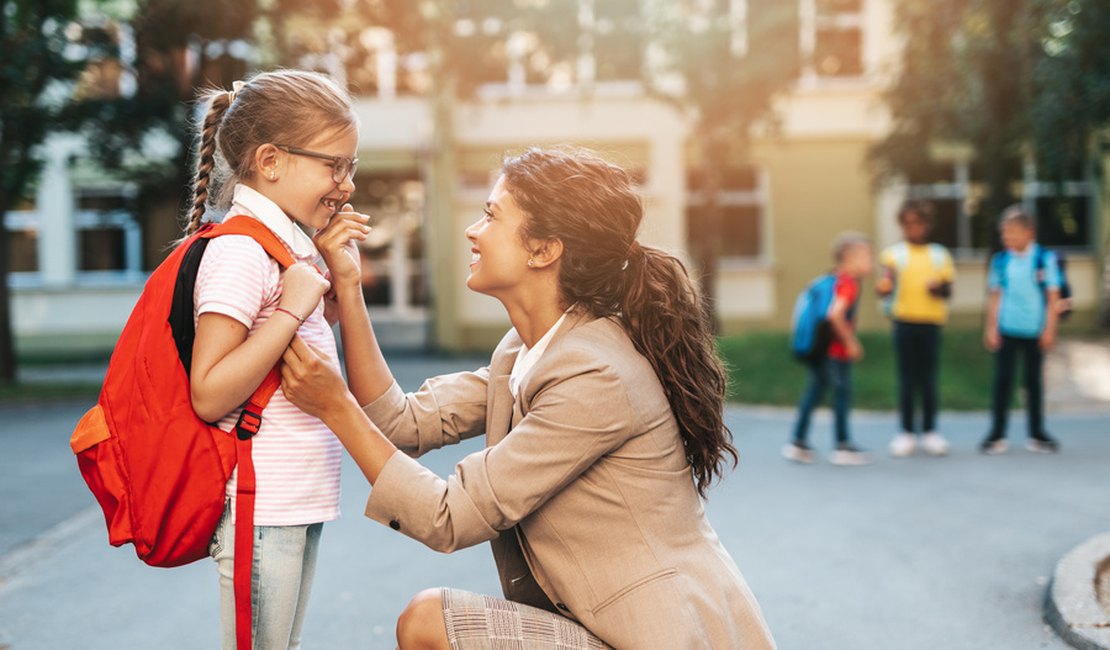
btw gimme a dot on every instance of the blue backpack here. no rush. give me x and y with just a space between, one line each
810 332
1002 257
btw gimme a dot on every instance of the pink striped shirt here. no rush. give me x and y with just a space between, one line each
296 458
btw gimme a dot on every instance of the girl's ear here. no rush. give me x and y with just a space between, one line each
267 160
547 253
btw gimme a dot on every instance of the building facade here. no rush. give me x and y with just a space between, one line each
808 180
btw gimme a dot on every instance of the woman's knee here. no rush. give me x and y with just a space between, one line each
421 625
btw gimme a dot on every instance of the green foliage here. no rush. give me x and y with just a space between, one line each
1006 77
762 371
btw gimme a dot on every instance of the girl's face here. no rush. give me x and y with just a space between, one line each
499 257
304 188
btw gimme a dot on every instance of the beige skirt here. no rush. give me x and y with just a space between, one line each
479 622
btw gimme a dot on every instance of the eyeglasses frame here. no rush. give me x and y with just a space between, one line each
336 160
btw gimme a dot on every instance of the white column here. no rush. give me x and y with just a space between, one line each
55 204
399 280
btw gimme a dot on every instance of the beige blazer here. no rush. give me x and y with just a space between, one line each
583 490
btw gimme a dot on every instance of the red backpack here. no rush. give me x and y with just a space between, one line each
158 471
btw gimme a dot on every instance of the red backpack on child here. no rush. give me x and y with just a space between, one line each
157 470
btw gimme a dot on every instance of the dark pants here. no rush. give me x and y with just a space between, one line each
917 354
1004 362
828 372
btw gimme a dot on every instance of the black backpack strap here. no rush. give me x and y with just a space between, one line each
181 312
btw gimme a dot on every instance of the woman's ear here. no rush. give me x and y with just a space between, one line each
266 161
547 253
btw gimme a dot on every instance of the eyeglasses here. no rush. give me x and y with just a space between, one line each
342 166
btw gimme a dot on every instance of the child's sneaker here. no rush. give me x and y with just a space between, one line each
993 446
934 444
848 454
903 445
799 452
1042 444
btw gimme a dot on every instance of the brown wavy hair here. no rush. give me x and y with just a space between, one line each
279 107
591 206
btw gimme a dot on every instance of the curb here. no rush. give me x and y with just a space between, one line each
1071 603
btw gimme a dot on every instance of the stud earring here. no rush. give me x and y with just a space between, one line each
531 262
273 176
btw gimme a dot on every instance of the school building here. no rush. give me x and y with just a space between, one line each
81 256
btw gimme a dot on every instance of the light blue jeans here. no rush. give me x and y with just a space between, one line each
281 580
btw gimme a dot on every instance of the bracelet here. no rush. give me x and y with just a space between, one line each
286 311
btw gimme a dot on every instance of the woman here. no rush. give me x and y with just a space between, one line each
602 410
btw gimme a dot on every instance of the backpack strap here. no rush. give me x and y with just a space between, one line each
250 421
998 265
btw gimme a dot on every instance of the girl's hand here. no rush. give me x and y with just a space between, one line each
310 381
337 243
302 289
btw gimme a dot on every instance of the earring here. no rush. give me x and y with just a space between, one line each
273 176
531 262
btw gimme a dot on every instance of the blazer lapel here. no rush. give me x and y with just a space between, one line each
499 406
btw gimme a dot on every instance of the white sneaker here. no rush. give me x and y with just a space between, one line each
903 445
849 454
799 453
934 444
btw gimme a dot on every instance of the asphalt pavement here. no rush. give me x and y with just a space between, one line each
915 553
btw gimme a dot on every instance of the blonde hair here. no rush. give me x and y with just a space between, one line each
1016 214
846 241
280 107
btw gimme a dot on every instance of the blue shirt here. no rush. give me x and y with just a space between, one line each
1021 311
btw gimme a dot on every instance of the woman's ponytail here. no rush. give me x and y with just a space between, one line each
591 206
206 157
666 318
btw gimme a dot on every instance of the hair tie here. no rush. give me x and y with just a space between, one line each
236 86
634 250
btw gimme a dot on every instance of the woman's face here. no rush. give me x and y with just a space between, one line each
499 258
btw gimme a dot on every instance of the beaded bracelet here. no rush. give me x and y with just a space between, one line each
286 311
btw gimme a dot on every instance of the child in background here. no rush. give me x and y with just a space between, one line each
1021 319
854 261
288 139
916 281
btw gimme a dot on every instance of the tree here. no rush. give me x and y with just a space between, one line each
34 72
1072 108
730 68
1013 80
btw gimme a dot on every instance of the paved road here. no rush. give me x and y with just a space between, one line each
918 553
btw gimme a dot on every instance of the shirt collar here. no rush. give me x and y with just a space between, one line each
253 203
527 357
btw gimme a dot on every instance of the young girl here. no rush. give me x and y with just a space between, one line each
288 139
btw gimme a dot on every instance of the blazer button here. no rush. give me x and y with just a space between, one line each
394 524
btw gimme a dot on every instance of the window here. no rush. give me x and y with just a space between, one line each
741 205
1064 219
831 38
108 240
393 268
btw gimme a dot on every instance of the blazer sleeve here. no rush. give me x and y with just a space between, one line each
576 417
445 410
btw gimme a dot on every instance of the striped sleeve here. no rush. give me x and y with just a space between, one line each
236 278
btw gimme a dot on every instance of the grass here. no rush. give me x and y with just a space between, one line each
762 371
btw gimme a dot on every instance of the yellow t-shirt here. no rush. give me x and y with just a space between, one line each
914 267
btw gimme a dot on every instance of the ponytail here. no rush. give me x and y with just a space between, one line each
206 157
591 206
666 318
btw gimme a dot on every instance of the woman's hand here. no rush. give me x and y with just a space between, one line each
310 381
302 287
337 243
